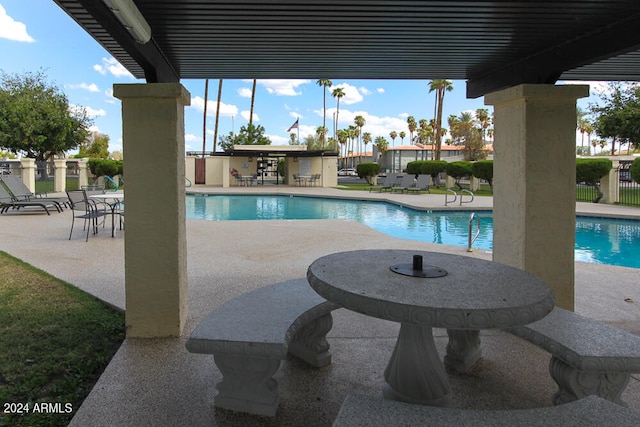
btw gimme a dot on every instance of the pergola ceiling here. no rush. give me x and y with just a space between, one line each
491 44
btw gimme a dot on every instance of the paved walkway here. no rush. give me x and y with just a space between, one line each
157 382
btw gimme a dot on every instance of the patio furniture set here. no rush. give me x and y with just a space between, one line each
91 203
250 335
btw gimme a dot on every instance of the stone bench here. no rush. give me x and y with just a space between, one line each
369 411
250 335
588 357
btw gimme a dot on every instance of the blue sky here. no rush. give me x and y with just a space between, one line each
38 35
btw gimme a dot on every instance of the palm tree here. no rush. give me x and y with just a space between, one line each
366 138
215 132
204 126
412 125
253 98
360 122
393 134
440 86
583 123
343 136
382 144
484 120
324 83
337 93
402 134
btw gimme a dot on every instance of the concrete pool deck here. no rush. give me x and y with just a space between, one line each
157 382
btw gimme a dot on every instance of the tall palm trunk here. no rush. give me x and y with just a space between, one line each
204 121
253 98
440 98
215 132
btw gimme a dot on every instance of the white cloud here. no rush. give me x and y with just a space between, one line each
404 115
84 86
245 115
13 30
295 115
244 92
351 94
380 90
365 91
111 65
283 87
110 98
278 140
226 110
189 137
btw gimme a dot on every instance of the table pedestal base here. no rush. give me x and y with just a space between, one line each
463 350
415 373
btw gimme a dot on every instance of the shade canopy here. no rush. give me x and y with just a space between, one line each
491 44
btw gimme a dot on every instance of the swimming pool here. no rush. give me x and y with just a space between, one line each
598 240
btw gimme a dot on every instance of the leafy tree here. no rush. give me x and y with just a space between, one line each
619 117
464 132
415 167
36 118
95 147
7 155
590 171
248 135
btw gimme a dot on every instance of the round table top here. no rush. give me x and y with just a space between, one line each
475 294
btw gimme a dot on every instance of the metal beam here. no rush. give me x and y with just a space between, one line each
547 65
149 56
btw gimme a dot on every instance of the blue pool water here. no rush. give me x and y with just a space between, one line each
598 240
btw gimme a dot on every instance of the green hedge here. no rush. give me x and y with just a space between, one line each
591 170
483 169
101 167
635 170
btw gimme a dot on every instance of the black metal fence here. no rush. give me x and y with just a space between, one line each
585 192
629 190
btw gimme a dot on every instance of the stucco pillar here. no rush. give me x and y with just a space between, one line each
610 184
83 175
155 236
535 182
29 173
60 178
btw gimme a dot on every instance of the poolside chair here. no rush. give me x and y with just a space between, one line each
387 183
86 209
421 185
8 202
407 182
21 192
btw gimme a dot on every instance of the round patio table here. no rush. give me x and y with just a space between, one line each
474 294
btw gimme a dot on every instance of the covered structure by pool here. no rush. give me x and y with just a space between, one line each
512 53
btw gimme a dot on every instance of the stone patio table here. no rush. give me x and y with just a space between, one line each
474 294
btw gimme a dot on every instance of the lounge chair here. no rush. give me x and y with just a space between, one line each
407 182
86 209
421 185
22 193
387 183
8 202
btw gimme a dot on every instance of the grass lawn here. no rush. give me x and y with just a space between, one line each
55 342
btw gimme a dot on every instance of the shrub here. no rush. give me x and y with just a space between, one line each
368 171
100 167
635 170
483 169
415 167
590 171
433 168
458 170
